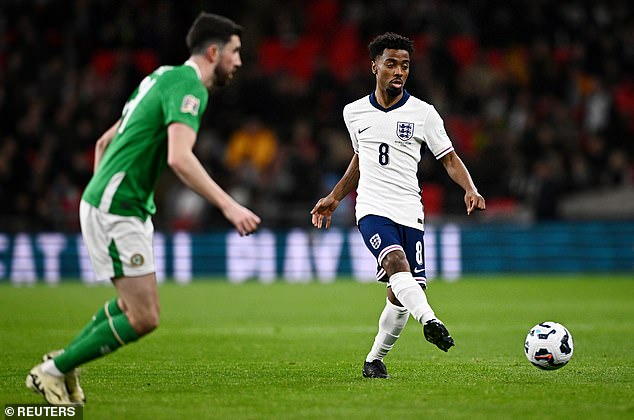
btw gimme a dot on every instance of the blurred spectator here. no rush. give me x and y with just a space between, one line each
250 157
253 146
546 189
302 169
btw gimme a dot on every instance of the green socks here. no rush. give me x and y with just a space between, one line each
104 334
110 309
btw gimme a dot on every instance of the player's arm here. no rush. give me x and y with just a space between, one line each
181 158
327 205
460 175
103 142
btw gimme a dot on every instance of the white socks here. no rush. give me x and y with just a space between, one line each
391 323
393 318
50 368
412 296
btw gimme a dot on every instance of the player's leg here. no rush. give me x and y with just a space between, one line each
406 290
391 323
141 315
121 248
126 255
104 338
140 299
381 235
108 310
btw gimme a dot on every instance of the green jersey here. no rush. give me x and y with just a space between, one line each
126 177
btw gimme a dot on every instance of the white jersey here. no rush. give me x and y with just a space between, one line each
388 142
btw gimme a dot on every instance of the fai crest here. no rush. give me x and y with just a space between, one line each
137 260
404 130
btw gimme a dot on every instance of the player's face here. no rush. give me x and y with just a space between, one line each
229 61
391 69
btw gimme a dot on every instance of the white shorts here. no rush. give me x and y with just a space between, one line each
119 246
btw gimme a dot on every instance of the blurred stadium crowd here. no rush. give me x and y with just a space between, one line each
538 97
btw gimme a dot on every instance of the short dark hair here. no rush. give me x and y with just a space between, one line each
390 41
208 28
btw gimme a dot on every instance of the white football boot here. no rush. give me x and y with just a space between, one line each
51 387
75 392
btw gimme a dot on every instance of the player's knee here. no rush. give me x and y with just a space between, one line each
145 323
148 325
395 262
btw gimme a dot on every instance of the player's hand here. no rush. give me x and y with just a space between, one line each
474 201
323 210
244 220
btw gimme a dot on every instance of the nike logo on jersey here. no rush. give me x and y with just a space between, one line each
361 130
417 270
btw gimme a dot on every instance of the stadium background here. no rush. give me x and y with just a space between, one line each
537 96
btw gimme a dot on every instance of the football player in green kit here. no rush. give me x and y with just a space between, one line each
157 128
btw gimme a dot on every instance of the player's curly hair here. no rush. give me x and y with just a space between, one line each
391 41
209 28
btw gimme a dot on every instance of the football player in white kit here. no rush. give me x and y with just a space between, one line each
388 130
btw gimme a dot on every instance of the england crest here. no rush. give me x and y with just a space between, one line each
375 241
404 130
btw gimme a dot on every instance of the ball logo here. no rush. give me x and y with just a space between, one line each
137 260
375 241
565 345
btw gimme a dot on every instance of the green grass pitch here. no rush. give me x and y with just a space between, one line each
282 351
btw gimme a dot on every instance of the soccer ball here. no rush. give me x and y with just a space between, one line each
549 345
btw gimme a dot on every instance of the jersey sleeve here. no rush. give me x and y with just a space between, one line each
346 120
185 102
435 135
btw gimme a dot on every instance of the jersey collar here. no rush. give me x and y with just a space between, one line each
193 65
399 104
